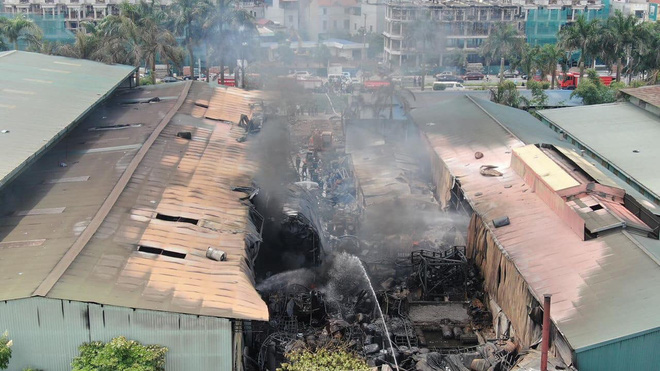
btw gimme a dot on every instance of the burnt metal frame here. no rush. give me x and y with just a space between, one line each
426 261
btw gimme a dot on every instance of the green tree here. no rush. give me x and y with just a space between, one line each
503 41
85 46
119 354
618 38
593 91
323 360
20 28
188 18
506 93
529 59
581 35
138 35
5 350
548 57
539 96
646 51
222 25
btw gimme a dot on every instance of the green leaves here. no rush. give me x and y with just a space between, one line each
324 359
5 350
593 91
119 354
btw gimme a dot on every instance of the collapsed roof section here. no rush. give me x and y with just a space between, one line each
129 218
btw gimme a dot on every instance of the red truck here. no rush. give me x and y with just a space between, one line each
570 80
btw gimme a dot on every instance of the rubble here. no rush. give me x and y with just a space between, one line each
430 295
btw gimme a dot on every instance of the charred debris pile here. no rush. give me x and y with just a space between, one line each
340 242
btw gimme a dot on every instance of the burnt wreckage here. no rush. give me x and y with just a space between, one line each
425 310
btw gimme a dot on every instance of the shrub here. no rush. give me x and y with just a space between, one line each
323 359
119 354
5 350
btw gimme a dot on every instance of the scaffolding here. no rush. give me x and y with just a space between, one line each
543 23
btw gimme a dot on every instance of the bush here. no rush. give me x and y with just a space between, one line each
506 93
119 354
5 350
323 359
145 81
593 91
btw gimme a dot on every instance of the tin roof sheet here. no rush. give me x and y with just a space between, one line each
41 97
176 177
623 134
649 94
593 282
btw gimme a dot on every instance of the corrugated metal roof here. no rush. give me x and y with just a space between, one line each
648 94
176 178
623 134
603 289
41 96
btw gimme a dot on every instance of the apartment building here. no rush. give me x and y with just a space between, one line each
458 27
72 11
544 18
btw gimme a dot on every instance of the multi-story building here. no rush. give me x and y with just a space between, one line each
641 9
457 27
73 11
544 18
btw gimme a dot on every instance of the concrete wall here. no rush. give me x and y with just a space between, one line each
47 332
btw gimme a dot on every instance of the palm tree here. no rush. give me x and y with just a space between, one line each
221 27
646 54
529 59
502 41
618 38
86 44
20 28
549 56
582 35
188 18
138 35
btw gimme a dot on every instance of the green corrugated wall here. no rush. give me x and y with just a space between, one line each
633 353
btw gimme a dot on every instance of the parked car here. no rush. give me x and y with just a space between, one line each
448 78
169 79
510 74
448 85
445 73
474 76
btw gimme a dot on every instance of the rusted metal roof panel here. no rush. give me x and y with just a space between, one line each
179 178
41 97
86 154
648 94
603 289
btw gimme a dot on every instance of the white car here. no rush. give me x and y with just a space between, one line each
302 74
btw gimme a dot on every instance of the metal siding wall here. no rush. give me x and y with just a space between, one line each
47 333
638 353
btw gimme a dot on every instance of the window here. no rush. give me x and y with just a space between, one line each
347 24
334 25
325 11
325 25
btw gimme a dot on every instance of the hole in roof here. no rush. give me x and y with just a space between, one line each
159 251
170 218
114 127
635 151
596 207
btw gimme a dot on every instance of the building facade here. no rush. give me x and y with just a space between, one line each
456 28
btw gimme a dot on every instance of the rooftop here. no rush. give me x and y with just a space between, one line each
128 220
42 97
590 280
622 134
648 94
